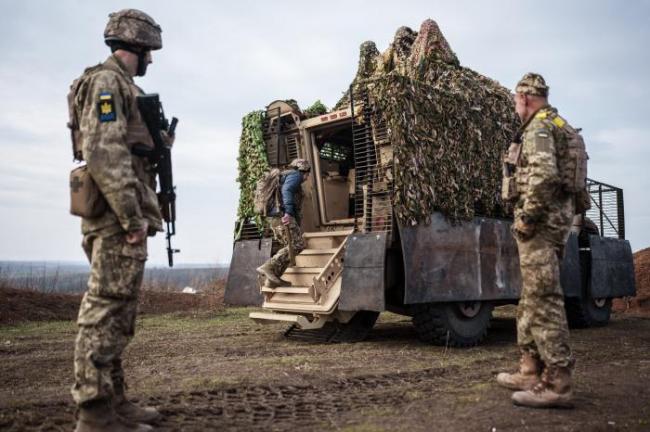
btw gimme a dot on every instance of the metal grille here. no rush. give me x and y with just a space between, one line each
373 158
292 146
607 210
281 138
248 230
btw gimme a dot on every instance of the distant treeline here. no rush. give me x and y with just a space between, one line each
72 278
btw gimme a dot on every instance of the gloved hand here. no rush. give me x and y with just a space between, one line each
523 228
286 219
167 139
136 237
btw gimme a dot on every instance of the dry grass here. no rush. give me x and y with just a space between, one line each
21 304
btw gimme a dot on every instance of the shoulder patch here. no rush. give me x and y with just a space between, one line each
559 122
543 141
541 115
106 107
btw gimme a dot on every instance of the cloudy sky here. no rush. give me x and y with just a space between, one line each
221 61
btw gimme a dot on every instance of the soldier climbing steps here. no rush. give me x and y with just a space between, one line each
315 282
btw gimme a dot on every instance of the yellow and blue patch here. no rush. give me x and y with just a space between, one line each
106 107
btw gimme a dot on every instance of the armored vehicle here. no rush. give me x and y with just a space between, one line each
360 260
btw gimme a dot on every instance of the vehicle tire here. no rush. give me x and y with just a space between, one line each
357 329
456 324
587 312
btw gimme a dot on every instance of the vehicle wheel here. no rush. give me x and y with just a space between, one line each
457 324
587 311
357 329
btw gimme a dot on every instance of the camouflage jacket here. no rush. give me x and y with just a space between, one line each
110 124
537 175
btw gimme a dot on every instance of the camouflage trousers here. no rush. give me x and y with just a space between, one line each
107 315
280 261
542 329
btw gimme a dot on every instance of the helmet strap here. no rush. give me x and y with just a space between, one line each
139 51
142 63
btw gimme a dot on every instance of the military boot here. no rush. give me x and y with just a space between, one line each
99 416
527 377
130 411
554 390
268 272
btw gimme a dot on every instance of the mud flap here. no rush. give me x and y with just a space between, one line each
612 268
362 286
241 287
475 260
570 270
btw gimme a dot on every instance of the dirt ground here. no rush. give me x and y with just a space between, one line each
639 304
220 371
21 305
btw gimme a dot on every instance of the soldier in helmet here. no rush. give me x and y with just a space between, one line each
106 126
543 213
285 222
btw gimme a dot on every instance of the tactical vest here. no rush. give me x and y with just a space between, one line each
572 155
267 193
572 160
136 129
86 199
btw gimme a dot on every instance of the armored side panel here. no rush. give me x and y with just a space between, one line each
570 270
363 273
474 260
612 268
241 287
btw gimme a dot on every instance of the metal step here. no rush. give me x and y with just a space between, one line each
293 298
301 278
323 242
299 320
303 270
314 257
317 252
287 290
344 233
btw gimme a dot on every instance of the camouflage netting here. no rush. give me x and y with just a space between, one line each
316 109
448 125
252 164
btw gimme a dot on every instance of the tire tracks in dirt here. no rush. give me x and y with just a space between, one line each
253 408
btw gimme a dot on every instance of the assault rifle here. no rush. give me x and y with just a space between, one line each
161 158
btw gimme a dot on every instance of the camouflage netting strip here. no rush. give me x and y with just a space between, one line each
449 129
252 163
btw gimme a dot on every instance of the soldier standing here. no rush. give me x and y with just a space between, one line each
543 214
106 126
285 222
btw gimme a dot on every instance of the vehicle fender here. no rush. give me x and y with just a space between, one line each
241 287
570 268
363 283
462 261
612 267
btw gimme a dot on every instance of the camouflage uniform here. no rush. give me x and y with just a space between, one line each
291 204
542 330
280 261
109 126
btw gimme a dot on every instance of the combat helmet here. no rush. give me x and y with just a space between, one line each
532 84
300 164
134 28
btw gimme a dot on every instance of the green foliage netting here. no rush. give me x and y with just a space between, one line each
252 164
449 127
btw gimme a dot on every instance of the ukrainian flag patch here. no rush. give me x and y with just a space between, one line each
106 107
